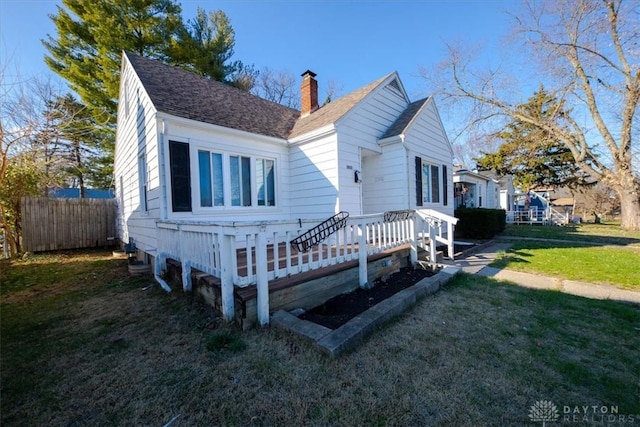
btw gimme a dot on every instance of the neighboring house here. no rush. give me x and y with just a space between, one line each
475 190
188 148
485 189
225 182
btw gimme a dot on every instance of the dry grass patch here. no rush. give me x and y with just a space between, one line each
477 353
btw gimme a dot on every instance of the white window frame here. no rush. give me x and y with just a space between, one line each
427 180
143 184
227 180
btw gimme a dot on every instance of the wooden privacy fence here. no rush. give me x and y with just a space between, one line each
52 224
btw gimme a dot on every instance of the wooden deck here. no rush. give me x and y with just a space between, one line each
304 290
323 252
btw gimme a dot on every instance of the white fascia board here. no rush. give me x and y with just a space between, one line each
391 140
314 134
471 174
219 129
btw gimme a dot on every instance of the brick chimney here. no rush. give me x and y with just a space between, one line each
309 93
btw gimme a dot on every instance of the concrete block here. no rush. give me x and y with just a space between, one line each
282 319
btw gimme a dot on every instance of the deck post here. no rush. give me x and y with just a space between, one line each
362 255
433 253
450 246
413 234
186 276
262 279
227 255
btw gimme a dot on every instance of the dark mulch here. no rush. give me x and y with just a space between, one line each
340 309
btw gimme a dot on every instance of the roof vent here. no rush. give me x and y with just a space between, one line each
395 85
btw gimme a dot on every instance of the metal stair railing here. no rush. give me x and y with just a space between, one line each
320 232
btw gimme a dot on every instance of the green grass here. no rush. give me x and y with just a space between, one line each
609 233
602 253
618 266
108 350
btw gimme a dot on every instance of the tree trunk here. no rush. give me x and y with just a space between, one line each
629 207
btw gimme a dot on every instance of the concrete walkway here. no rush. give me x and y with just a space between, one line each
478 262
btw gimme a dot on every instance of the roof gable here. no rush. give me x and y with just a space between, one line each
335 110
187 95
405 119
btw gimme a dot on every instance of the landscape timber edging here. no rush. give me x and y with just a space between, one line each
346 337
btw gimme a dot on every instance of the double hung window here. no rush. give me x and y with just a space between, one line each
428 186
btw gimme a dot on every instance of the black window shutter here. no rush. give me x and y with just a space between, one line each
418 181
445 186
180 176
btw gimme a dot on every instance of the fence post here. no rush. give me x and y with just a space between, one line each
362 255
227 255
262 279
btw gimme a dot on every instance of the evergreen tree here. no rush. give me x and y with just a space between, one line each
533 155
82 158
205 46
91 37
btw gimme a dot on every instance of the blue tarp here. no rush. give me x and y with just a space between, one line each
74 193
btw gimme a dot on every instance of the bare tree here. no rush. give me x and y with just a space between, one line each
586 54
26 147
277 86
282 87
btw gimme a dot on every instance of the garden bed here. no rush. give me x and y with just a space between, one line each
340 309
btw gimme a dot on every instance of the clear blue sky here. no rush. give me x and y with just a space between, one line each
349 42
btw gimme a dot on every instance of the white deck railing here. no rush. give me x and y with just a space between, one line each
534 215
246 253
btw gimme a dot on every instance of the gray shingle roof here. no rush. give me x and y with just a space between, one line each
405 119
185 94
333 111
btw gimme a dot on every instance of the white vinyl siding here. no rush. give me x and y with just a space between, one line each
313 187
358 133
138 191
384 182
427 140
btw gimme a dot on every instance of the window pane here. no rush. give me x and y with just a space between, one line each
218 186
419 181
426 184
445 186
271 182
205 179
435 184
142 180
265 181
235 180
260 182
246 181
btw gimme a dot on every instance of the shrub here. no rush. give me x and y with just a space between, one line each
480 223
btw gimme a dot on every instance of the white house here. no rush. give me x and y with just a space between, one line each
194 151
485 189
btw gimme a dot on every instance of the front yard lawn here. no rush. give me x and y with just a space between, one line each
609 233
96 347
618 266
